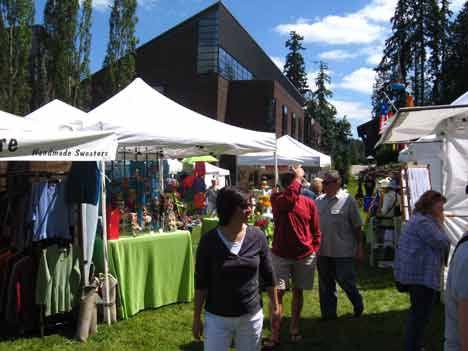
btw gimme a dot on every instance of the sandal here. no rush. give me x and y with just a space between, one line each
269 344
295 337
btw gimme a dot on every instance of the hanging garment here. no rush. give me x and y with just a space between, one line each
49 212
84 183
58 279
21 310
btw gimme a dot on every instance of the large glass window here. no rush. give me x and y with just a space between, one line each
284 122
208 43
300 136
231 69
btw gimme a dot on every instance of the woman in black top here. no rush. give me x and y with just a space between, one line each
230 260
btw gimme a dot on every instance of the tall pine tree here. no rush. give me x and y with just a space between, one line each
60 21
120 57
82 90
16 19
294 67
455 71
320 109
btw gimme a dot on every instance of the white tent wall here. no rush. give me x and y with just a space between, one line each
455 176
427 152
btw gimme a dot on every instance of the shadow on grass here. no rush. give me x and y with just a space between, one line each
370 332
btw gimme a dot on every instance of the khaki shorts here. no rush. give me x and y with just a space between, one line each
301 272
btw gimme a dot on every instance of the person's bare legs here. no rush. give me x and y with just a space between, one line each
275 328
296 309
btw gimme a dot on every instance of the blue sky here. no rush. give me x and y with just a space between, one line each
348 35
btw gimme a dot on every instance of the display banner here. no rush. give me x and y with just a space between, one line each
39 145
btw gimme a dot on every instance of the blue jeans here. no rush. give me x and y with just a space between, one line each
333 270
422 301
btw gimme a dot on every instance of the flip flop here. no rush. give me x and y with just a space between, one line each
295 337
269 344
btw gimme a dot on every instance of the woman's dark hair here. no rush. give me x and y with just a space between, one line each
227 201
427 200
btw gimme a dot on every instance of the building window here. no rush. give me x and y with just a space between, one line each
271 115
293 125
231 69
300 137
208 43
284 121
307 130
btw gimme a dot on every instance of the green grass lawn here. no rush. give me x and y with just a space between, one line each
169 328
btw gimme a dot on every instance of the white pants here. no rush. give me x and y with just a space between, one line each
245 330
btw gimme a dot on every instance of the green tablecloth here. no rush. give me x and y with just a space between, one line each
153 270
209 223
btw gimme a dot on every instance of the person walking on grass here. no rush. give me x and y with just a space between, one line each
342 242
295 243
419 260
231 260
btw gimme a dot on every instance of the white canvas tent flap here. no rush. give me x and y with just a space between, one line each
212 169
60 114
23 140
289 151
147 121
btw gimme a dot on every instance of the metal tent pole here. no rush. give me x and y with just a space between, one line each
107 310
275 155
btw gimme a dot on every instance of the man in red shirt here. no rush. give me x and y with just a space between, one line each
295 244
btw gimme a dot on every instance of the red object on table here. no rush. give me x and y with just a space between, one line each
113 224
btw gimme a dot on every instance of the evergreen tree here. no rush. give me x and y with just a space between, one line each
341 153
120 56
294 68
82 92
397 54
455 71
60 21
16 19
319 108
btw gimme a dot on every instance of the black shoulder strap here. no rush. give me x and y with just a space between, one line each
461 241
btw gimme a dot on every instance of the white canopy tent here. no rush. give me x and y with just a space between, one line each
60 114
146 121
449 124
212 171
289 150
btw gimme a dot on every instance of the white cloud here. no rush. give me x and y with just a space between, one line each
337 55
279 61
355 112
374 54
350 29
361 27
379 10
360 80
456 5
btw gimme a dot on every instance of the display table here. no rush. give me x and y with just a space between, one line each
209 223
153 270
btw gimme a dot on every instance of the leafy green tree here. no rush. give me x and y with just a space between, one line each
120 57
16 20
60 22
294 68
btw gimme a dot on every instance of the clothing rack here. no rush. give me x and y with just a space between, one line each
43 176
